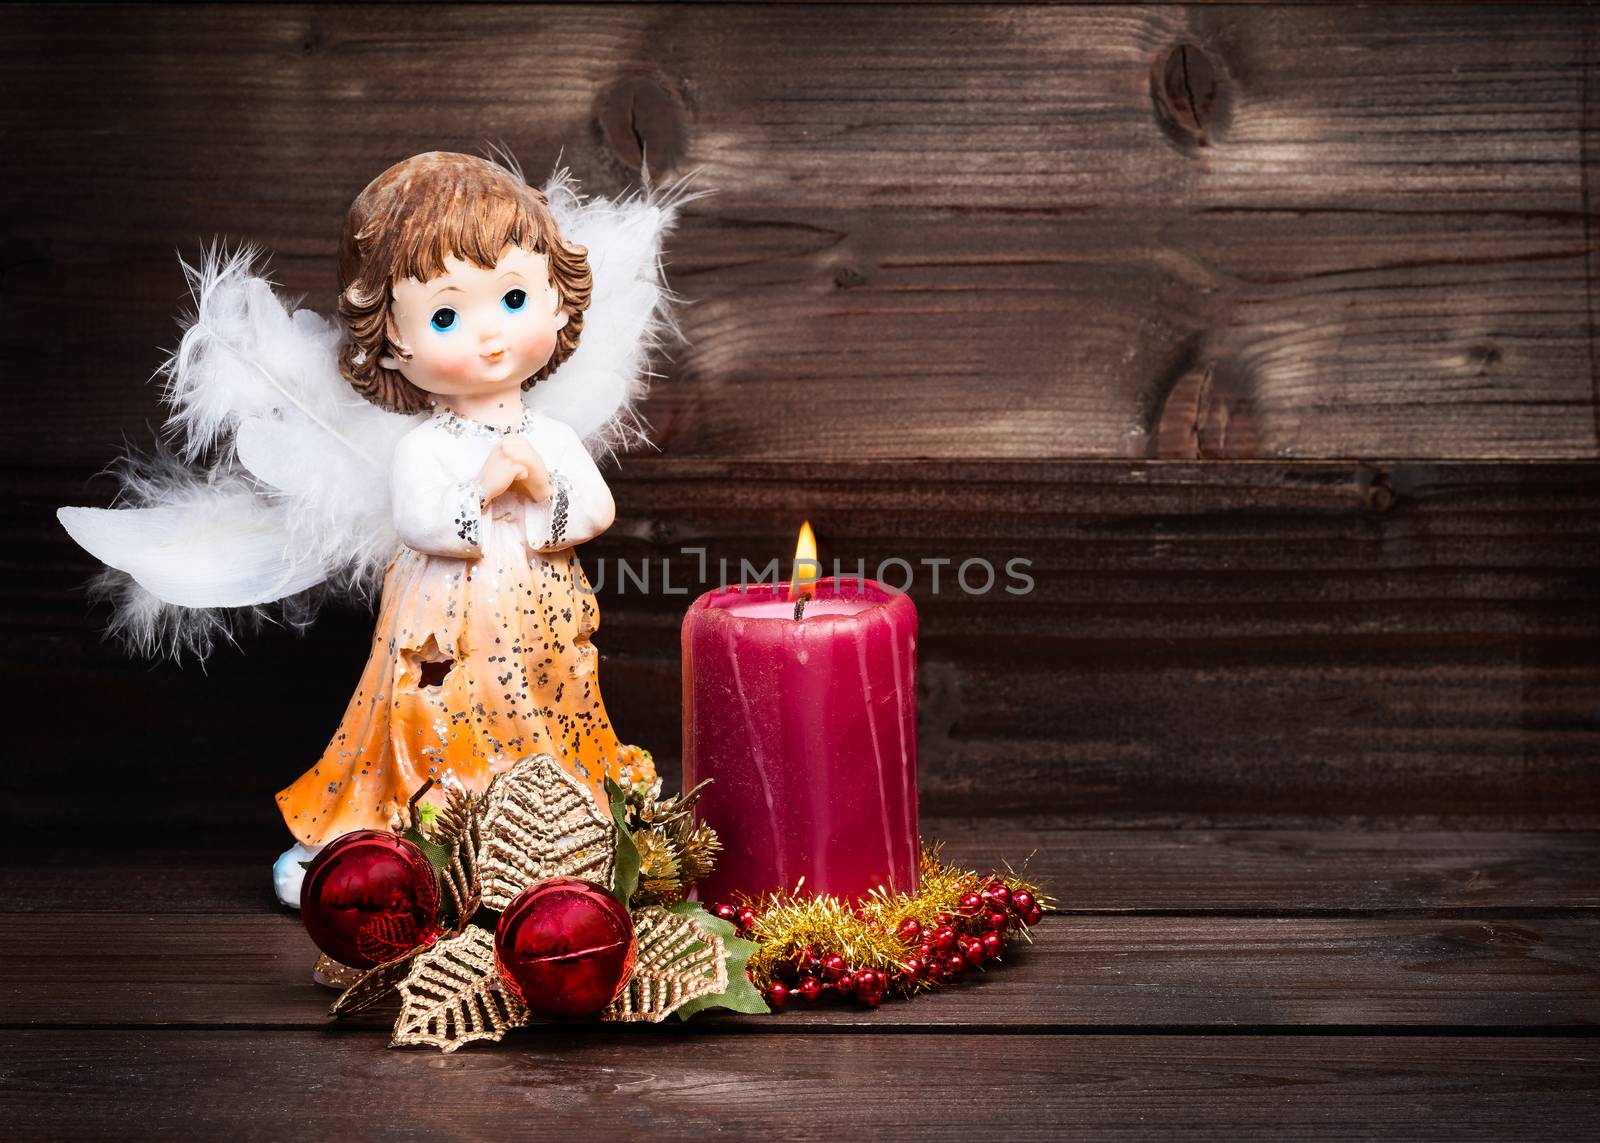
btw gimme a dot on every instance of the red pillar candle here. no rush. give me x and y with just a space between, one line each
808 730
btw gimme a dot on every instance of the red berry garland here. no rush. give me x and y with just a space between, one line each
805 952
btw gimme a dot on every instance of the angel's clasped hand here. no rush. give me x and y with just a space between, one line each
515 461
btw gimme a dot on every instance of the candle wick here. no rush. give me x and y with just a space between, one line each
799 608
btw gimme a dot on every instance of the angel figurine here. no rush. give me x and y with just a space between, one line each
491 341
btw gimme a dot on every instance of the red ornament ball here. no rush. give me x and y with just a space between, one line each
745 919
993 945
972 949
368 897
834 968
565 948
910 931
809 987
1022 901
971 905
945 939
871 987
777 994
997 922
998 893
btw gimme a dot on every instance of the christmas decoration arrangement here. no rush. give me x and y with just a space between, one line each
440 438
527 903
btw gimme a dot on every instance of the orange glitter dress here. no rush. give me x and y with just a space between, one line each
482 653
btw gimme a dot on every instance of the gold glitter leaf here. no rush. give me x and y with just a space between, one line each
537 821
374 985
675 961
452 995
334 974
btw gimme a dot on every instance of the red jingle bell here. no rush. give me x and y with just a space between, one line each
368 897
565 948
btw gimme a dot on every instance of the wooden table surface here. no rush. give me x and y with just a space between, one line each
1321 984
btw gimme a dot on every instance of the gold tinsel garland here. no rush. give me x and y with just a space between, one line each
795 932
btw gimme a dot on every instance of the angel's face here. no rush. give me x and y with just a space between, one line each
476 331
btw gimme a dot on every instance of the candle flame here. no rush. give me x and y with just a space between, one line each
806 567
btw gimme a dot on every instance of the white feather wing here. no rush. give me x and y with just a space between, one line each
222 548
598 388
280 479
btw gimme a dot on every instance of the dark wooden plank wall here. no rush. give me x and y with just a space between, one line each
1368 236
950 249
1204 642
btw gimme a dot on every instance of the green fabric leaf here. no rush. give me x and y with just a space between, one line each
438 855
741 996
626 879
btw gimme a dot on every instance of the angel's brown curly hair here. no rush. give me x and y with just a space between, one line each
405 224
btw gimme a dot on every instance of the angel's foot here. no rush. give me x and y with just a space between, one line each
288 873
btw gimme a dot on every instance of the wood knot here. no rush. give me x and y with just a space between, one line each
1188 93
848 277
643 124
1207 415
1483 355
1378 496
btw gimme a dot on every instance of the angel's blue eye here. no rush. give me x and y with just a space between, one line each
514 300
444 320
